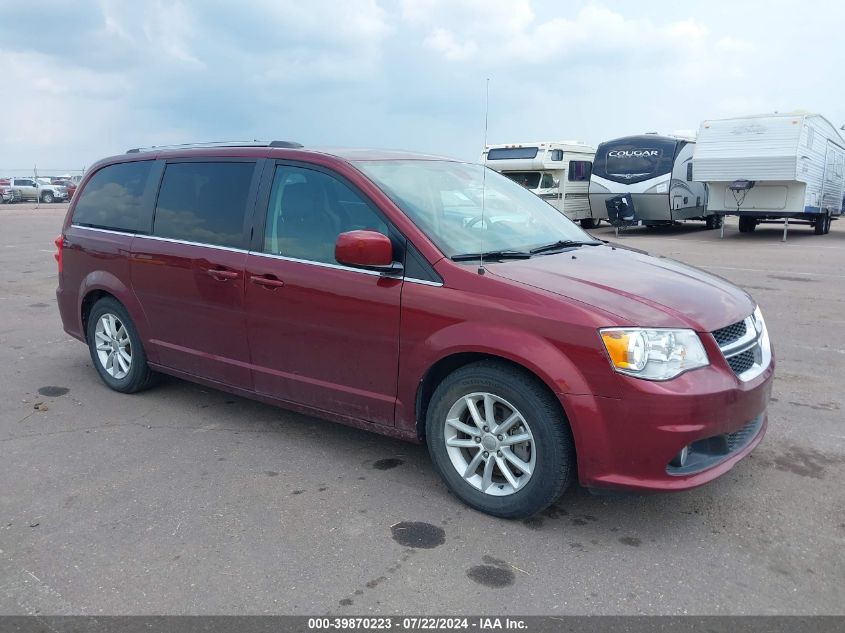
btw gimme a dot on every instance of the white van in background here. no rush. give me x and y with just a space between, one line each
773 166
558 172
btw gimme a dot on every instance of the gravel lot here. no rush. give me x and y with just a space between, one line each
185 500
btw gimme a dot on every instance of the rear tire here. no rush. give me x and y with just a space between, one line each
539 440
747 224
116 349
590 223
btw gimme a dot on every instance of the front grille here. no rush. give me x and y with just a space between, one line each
729 334
742 362
739 439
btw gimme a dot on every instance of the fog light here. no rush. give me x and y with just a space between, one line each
680 459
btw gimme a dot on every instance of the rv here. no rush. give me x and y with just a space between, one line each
558 172
655 173
773 166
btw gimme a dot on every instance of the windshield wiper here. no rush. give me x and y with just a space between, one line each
465 257
562 244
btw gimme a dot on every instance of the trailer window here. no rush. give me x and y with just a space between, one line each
528 179
689 171
556 154
507 153
635 158
579 170
633 163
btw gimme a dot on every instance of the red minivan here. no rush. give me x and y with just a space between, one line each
420 297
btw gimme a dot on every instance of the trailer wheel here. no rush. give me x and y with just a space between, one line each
714 221
590 223
747 224
822 224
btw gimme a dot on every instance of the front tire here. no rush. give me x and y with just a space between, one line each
116 349
47 197
500 440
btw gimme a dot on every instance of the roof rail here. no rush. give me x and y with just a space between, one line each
255 143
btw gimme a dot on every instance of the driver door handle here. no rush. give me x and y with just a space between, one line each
267 281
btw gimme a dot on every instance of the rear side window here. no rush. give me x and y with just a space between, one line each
204 202
113 198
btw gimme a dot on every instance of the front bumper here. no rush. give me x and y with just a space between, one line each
630 442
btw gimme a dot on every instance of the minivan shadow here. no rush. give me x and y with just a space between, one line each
577 511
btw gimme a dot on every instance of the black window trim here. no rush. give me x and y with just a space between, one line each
249 206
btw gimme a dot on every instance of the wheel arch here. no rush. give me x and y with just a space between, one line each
450 362
100 284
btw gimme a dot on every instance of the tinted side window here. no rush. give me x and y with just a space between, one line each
579 170
308 209
113 197
204 202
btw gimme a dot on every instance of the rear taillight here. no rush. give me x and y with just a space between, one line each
60 243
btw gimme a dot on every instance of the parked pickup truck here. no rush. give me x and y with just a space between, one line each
31 189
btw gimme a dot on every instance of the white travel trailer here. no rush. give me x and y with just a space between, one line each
773 166
558 172
654 173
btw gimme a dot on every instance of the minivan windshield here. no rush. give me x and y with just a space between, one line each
444 199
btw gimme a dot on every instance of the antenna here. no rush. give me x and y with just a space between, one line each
484 176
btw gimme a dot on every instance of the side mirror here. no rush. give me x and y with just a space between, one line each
366 249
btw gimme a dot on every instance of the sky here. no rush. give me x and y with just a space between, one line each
85 79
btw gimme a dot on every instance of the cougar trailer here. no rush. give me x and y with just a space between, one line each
657 173
558 172
773 166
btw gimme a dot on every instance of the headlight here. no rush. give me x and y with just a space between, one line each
653 354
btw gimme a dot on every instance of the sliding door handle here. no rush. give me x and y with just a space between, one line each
267 281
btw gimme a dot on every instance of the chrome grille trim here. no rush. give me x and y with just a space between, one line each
750 354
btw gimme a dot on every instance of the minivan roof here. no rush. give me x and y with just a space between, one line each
345 154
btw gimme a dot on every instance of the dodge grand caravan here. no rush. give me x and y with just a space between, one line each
420 297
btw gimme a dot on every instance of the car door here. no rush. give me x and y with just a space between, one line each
321 334
26 187
188 274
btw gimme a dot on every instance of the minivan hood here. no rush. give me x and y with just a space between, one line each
639 289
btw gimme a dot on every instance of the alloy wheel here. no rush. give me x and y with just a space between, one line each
490 444
114 348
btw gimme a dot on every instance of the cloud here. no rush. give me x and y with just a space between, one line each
97 77
444 42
